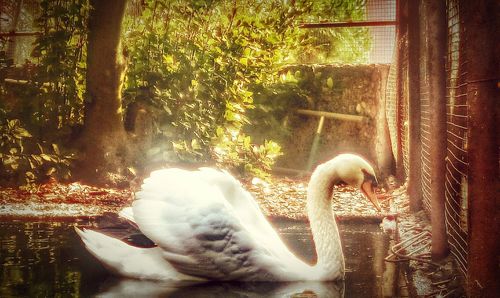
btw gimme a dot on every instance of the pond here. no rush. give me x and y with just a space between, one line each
47 259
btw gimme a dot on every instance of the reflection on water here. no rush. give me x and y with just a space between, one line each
46 259
135 288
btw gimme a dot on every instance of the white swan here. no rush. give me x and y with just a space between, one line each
207 227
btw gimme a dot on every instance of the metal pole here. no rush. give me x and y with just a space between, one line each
437 36
483 88
415 150
315 144
347 24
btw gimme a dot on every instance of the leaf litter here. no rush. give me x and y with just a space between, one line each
282 197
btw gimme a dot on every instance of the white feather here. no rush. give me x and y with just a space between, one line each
126 260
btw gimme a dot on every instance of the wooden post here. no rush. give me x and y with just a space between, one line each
400 32
415 149
483 88
437 36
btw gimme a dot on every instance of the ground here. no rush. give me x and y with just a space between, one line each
279 198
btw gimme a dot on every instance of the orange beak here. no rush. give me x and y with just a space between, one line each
367 189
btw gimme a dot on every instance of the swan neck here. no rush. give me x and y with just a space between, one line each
323 224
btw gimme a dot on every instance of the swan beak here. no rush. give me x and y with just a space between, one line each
367 189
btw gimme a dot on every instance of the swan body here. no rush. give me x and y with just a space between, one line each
206 226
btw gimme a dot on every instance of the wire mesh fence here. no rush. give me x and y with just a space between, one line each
457 106
18 29
391 108
381 10
365 35
382 37
457 128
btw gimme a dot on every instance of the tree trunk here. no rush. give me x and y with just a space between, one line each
103 139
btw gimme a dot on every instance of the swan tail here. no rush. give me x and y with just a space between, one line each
126 260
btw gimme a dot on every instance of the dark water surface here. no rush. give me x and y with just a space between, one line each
47 259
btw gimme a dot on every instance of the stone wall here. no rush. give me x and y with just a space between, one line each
354 90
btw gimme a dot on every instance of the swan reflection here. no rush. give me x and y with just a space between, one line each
115 287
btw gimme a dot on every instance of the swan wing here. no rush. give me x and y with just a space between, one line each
201 232
127 260
246 209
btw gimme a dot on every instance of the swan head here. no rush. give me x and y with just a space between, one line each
355 171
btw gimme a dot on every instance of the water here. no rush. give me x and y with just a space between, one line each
47 259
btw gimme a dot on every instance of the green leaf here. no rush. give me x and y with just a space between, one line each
168 59
45 157
22 133
244 61
50 171
30 175
32 166
329 82
56 149
37 158
195 144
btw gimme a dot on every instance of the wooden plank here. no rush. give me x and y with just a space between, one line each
331 115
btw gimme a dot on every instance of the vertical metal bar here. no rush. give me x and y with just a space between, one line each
481 23
415 149
320 125
315 144
437 36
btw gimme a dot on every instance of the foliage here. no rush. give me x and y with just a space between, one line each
237 152
199 61
212 67
20 163
38 115
274 104
59 82
208 64
334 45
